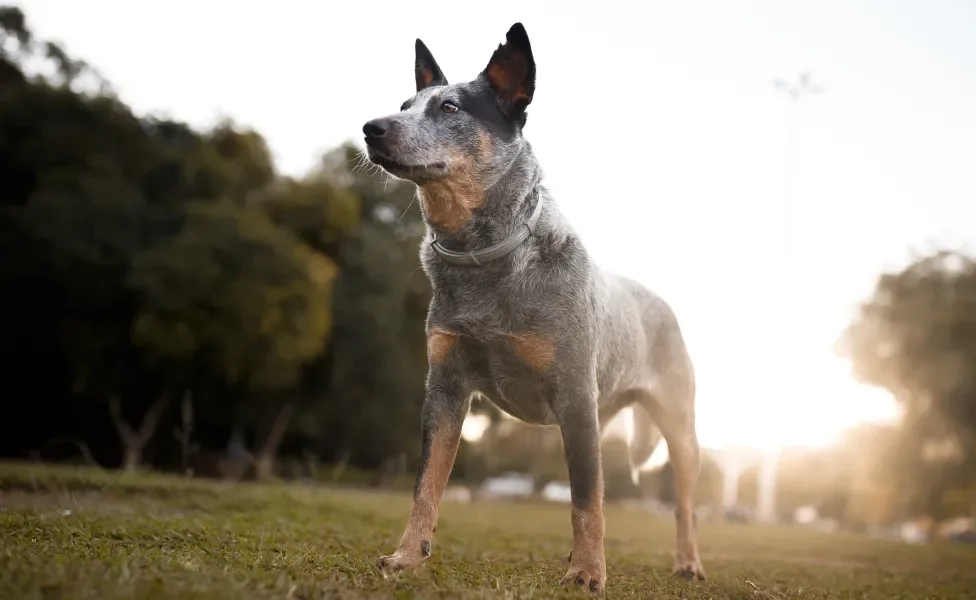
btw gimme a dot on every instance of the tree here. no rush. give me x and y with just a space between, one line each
233 298
88 186
916 337
379 359
144 261
82 226
316 210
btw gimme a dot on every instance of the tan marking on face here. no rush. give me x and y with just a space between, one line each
450 202
535 349
439 344
485 148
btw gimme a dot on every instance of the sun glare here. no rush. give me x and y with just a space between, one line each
474 427
813 411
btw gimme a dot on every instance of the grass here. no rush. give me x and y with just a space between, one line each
80 533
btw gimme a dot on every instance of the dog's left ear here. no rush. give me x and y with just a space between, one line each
425 68
511 72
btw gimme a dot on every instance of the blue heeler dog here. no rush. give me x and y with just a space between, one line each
521 314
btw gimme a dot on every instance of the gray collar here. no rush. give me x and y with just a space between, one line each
476 258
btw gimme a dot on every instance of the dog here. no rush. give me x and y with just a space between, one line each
521 315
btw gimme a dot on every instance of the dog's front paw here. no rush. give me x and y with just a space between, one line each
689 569
587 577
401 561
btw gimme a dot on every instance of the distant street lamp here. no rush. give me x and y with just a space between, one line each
794 92
769 463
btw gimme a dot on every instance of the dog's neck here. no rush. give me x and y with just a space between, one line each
505 206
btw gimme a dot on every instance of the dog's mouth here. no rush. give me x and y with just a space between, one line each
404 170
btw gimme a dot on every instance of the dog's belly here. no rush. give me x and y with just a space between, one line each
525 405
515 388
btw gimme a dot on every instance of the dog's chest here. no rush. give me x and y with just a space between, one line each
512 370
509 325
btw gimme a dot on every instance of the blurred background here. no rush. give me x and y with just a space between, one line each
197 279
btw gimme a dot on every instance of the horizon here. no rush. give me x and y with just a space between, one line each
696 119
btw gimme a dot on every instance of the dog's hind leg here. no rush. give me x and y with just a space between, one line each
674 411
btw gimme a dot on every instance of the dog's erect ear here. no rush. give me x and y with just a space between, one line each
425 68
511 71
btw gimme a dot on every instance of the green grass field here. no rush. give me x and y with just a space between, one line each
67 533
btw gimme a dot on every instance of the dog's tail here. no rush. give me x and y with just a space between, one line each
646 437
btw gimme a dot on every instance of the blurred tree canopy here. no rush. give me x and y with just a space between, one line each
916 337
144 262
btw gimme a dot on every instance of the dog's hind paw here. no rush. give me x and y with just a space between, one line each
689 570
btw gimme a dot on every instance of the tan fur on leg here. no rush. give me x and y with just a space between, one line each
415 544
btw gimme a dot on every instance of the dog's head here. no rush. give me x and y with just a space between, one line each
463 132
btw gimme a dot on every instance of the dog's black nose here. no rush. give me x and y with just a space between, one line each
377 128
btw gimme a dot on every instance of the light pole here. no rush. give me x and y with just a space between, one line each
794 92
769 463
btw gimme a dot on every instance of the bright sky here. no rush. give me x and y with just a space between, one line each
662 139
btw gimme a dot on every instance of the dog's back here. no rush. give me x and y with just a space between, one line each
640 331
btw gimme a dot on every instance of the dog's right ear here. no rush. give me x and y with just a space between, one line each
511 72
425 68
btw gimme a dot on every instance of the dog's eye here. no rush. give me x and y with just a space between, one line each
449 107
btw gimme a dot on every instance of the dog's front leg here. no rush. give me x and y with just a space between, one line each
445 408
578 422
